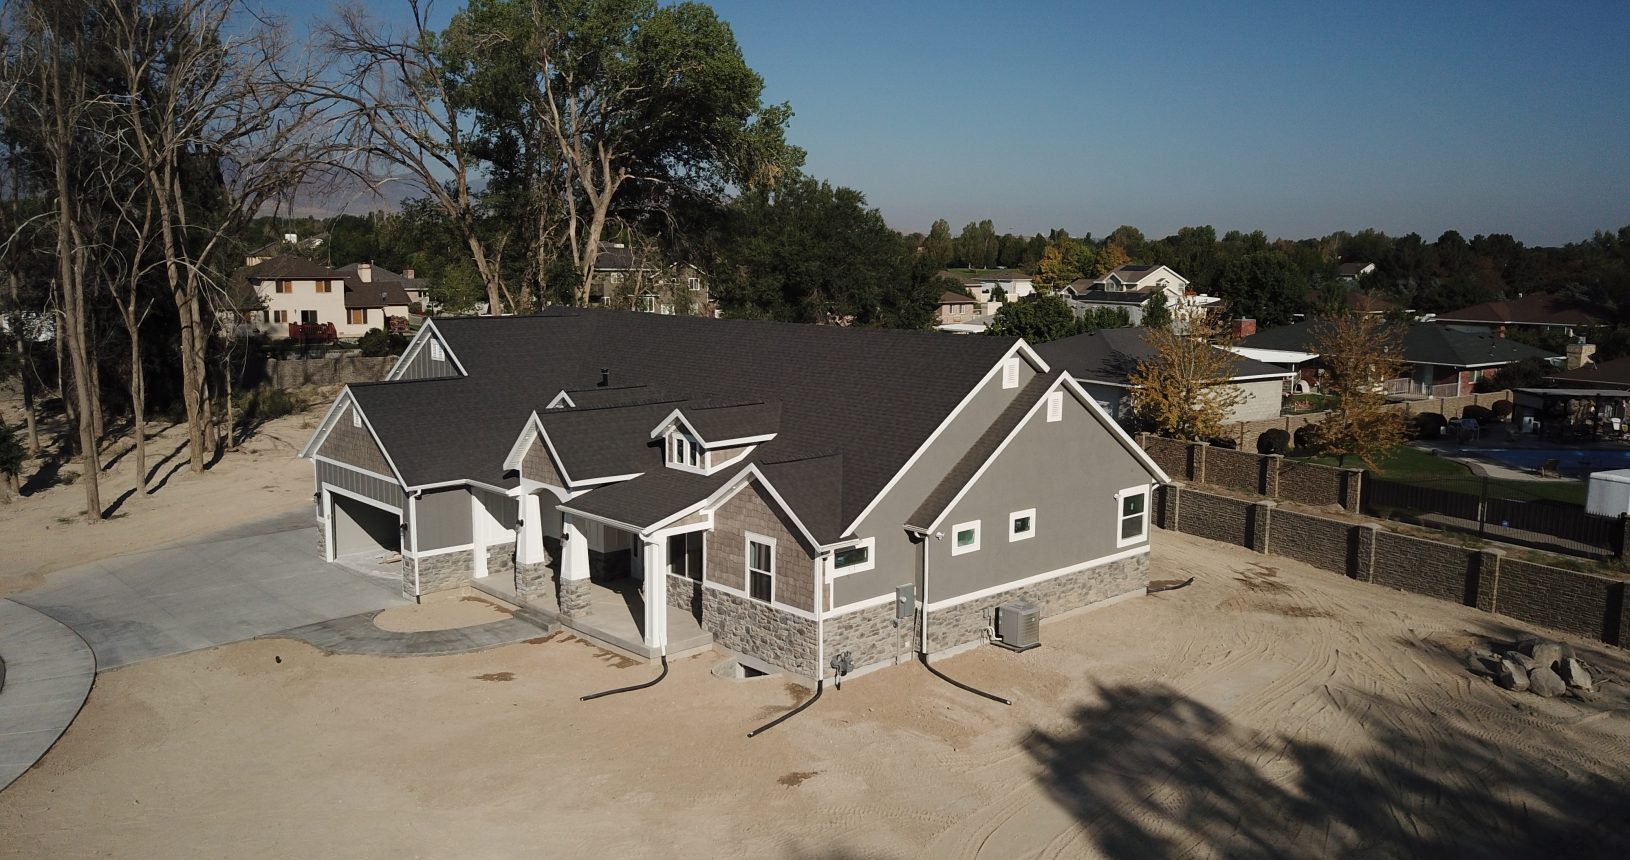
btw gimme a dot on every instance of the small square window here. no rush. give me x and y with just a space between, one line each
1021 525
965 538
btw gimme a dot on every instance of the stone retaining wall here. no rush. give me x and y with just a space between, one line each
1581 603
328 370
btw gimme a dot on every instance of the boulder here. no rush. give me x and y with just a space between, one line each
1513 676
1547 654
1526 644
1575 673
1480 665
1526 662
1546 683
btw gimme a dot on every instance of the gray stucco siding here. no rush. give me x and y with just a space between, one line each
367 486
1262 399
896 555
443 518
1068 471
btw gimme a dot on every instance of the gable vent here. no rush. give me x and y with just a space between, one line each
436 353
1055 406
1010 373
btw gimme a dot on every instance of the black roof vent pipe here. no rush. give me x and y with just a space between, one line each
605 377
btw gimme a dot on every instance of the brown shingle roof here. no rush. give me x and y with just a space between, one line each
1534 309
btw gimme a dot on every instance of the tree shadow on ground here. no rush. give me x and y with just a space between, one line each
1150 772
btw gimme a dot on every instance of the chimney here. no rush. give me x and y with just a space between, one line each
1580 353
605 377
1243 328
365 272
407 273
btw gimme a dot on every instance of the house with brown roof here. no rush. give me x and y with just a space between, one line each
287 289
1130 288
1545 311
956 309
811 499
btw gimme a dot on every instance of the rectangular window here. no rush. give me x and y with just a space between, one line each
1133 507
1010 373
685 555
356 316
1055 406
308 316
760 568
1021 525
694 283
285 286
965 538
325 286
854 558
280 316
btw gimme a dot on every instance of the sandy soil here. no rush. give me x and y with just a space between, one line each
441 613
1267 710
44 532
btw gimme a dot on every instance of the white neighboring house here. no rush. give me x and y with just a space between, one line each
1130 287
290 289
1013 283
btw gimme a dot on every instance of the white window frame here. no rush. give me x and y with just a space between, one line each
682 447
1010 373
1013 521
1055 407
751 538
869 544
961 527
1120 516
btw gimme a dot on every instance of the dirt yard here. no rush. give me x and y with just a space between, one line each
1267 710
44 532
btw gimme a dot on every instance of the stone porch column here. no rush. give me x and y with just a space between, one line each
656 594
574 570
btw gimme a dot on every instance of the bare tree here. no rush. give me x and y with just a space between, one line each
225 127
401 123
1182 391
47 65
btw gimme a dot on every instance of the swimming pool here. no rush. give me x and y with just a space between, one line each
1571 461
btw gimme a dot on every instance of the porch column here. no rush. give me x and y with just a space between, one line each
529 543
656 595
574 569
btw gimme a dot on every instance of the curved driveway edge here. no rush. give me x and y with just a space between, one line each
358 634
49 671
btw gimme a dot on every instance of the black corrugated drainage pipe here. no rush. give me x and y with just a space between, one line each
955 683
651 683
819 683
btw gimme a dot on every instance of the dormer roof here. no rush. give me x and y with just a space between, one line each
717 424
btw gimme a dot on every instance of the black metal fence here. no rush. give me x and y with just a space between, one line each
1465 505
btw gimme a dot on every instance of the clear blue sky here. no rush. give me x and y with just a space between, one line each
1296 118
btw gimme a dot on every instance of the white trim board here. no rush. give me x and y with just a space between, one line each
341 491
348 467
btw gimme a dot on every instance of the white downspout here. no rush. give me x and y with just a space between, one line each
821 562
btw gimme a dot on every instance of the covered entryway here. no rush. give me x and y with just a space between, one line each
365 536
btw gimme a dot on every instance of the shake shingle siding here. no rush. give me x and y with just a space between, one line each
351 444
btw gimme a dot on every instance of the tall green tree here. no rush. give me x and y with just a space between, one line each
938 245
1265 286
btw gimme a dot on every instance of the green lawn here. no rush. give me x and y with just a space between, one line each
1411 465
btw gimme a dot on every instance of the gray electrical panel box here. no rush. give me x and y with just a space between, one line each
905 601
1018 625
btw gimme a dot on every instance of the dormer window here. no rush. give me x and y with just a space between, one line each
686 453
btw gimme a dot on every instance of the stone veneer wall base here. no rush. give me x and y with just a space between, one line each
438 572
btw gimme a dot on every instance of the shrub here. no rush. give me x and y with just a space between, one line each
378 343
1482 414
417 309
1430 425
1502 410
1275 441
1307 439
265 403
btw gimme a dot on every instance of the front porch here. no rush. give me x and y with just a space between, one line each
602 574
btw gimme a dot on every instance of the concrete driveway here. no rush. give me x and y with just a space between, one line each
251 580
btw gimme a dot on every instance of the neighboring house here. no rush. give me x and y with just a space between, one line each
1103 362
1351 272
1130 287
956 308
1013 283
796 494
1609 375
1544 311
1442 362
626 279
417 290
292 289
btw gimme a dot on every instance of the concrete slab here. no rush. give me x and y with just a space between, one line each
49 670
252 580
